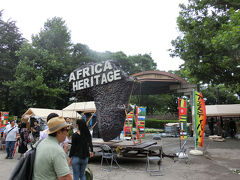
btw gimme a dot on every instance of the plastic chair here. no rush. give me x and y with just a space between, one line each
107 153
154 154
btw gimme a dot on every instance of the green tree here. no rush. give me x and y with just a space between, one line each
82 54
157 104
219 95
43 70
10 41
142 63
132 64
209 42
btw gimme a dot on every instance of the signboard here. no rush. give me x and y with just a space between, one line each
94 75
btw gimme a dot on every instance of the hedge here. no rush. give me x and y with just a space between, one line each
158 124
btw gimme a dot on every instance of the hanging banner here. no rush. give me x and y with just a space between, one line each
199 117
182 109
3 121
140 122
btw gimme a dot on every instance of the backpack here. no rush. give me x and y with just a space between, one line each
24 168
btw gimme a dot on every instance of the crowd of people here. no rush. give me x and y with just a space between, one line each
53 157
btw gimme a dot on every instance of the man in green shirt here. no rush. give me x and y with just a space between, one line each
50 161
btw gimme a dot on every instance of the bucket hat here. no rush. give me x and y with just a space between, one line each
56 124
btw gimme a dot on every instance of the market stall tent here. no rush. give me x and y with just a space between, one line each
85 107
227 110
43 113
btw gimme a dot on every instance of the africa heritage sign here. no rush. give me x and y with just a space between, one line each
110 87
93 75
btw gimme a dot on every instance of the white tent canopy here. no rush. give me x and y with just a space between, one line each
223 110
43 113
81 106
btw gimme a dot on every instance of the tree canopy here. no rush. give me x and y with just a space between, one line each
209 42
10 41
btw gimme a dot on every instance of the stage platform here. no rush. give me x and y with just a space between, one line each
124 148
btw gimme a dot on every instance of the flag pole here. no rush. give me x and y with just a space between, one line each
194 116
179 126
195 152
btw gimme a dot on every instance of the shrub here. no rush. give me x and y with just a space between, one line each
158 124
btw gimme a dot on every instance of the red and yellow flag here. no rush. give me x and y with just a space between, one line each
199 117
182 109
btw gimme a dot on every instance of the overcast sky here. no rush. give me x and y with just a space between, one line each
131 26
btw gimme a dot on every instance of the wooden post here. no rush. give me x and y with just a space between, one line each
90 118
138 133
129 124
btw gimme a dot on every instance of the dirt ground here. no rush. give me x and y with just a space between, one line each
221 161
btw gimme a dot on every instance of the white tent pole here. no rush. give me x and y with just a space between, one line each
194 119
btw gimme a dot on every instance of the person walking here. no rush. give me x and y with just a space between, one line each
50 161
10 135
79 152
23 140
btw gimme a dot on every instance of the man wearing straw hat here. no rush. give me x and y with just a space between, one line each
50 161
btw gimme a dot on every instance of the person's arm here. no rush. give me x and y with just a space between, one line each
4 136
90 140
72 149
33 130
67 177
4 133
90 143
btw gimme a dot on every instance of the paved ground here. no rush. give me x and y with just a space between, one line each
220 162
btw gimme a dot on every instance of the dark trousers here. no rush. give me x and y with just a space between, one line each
10 147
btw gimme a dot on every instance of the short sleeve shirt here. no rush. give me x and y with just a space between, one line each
50 161
11 135
43 135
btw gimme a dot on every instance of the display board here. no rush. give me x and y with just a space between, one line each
3 121
140 121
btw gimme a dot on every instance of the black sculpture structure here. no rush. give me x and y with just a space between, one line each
110 88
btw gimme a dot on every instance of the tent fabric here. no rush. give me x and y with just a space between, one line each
223 110
82 106
43 113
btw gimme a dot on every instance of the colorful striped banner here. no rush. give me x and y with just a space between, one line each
199 117
3 121
182 109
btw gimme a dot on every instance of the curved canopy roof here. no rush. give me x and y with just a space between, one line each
158 82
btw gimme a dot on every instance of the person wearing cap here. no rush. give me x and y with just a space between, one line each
50 161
